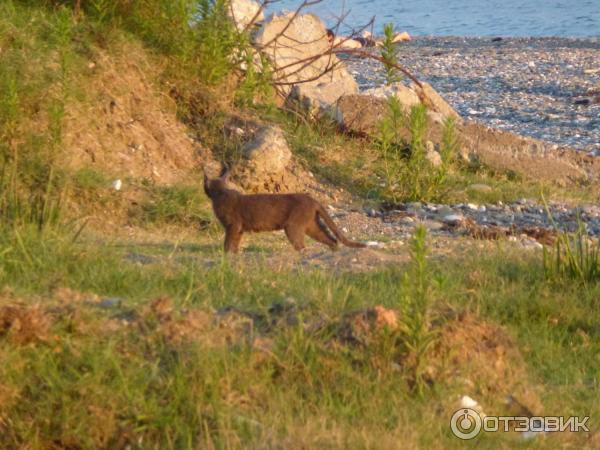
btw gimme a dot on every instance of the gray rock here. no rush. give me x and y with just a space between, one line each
432 225
453 219
110 303
480 187
289 44
266 158
444 211
405 95
243 11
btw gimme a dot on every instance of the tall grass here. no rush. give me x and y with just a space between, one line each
575 256
32 110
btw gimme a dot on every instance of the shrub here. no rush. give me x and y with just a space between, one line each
408 173
389 54
418 336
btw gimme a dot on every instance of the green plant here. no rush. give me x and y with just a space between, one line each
255 86
408 173
32 182
390 146
418 335
576 256
173 204
417 180
448 149
389 54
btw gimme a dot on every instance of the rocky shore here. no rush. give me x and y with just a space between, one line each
524 219
546 88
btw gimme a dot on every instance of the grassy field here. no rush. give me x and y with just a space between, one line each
123 326
108 352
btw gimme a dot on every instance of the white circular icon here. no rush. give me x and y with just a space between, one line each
466 423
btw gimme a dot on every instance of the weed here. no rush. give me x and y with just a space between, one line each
408 173
448 150
32 182
575 256
174 205
389 54
418 336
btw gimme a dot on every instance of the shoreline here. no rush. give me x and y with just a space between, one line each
526 85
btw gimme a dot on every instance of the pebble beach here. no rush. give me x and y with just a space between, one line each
546 88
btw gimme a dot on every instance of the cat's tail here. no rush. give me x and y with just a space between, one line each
336 231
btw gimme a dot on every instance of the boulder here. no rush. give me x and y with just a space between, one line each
317 99
407 96
478 144
266 158
434 101
243 11
359 114
296 47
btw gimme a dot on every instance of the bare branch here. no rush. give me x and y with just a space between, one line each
364 54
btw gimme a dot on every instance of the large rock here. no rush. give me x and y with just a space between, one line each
528 157
297 48
266 159
433 100
318 99
359 114
405 95
242 12
499 150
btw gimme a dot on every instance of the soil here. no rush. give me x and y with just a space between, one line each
125 126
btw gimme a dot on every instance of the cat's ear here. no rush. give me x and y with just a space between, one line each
224 173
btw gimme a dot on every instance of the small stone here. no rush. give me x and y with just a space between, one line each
117 184
480 187
444 211
432 225
453 219
110 303
472 206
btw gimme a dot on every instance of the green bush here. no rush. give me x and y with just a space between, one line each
389 54
408 173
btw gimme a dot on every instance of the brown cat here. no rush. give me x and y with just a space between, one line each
297 214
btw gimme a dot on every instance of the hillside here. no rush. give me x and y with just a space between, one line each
123 324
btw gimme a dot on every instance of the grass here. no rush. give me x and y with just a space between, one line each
90 359
177 204
91 386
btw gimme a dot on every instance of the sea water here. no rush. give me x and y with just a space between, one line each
564 18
